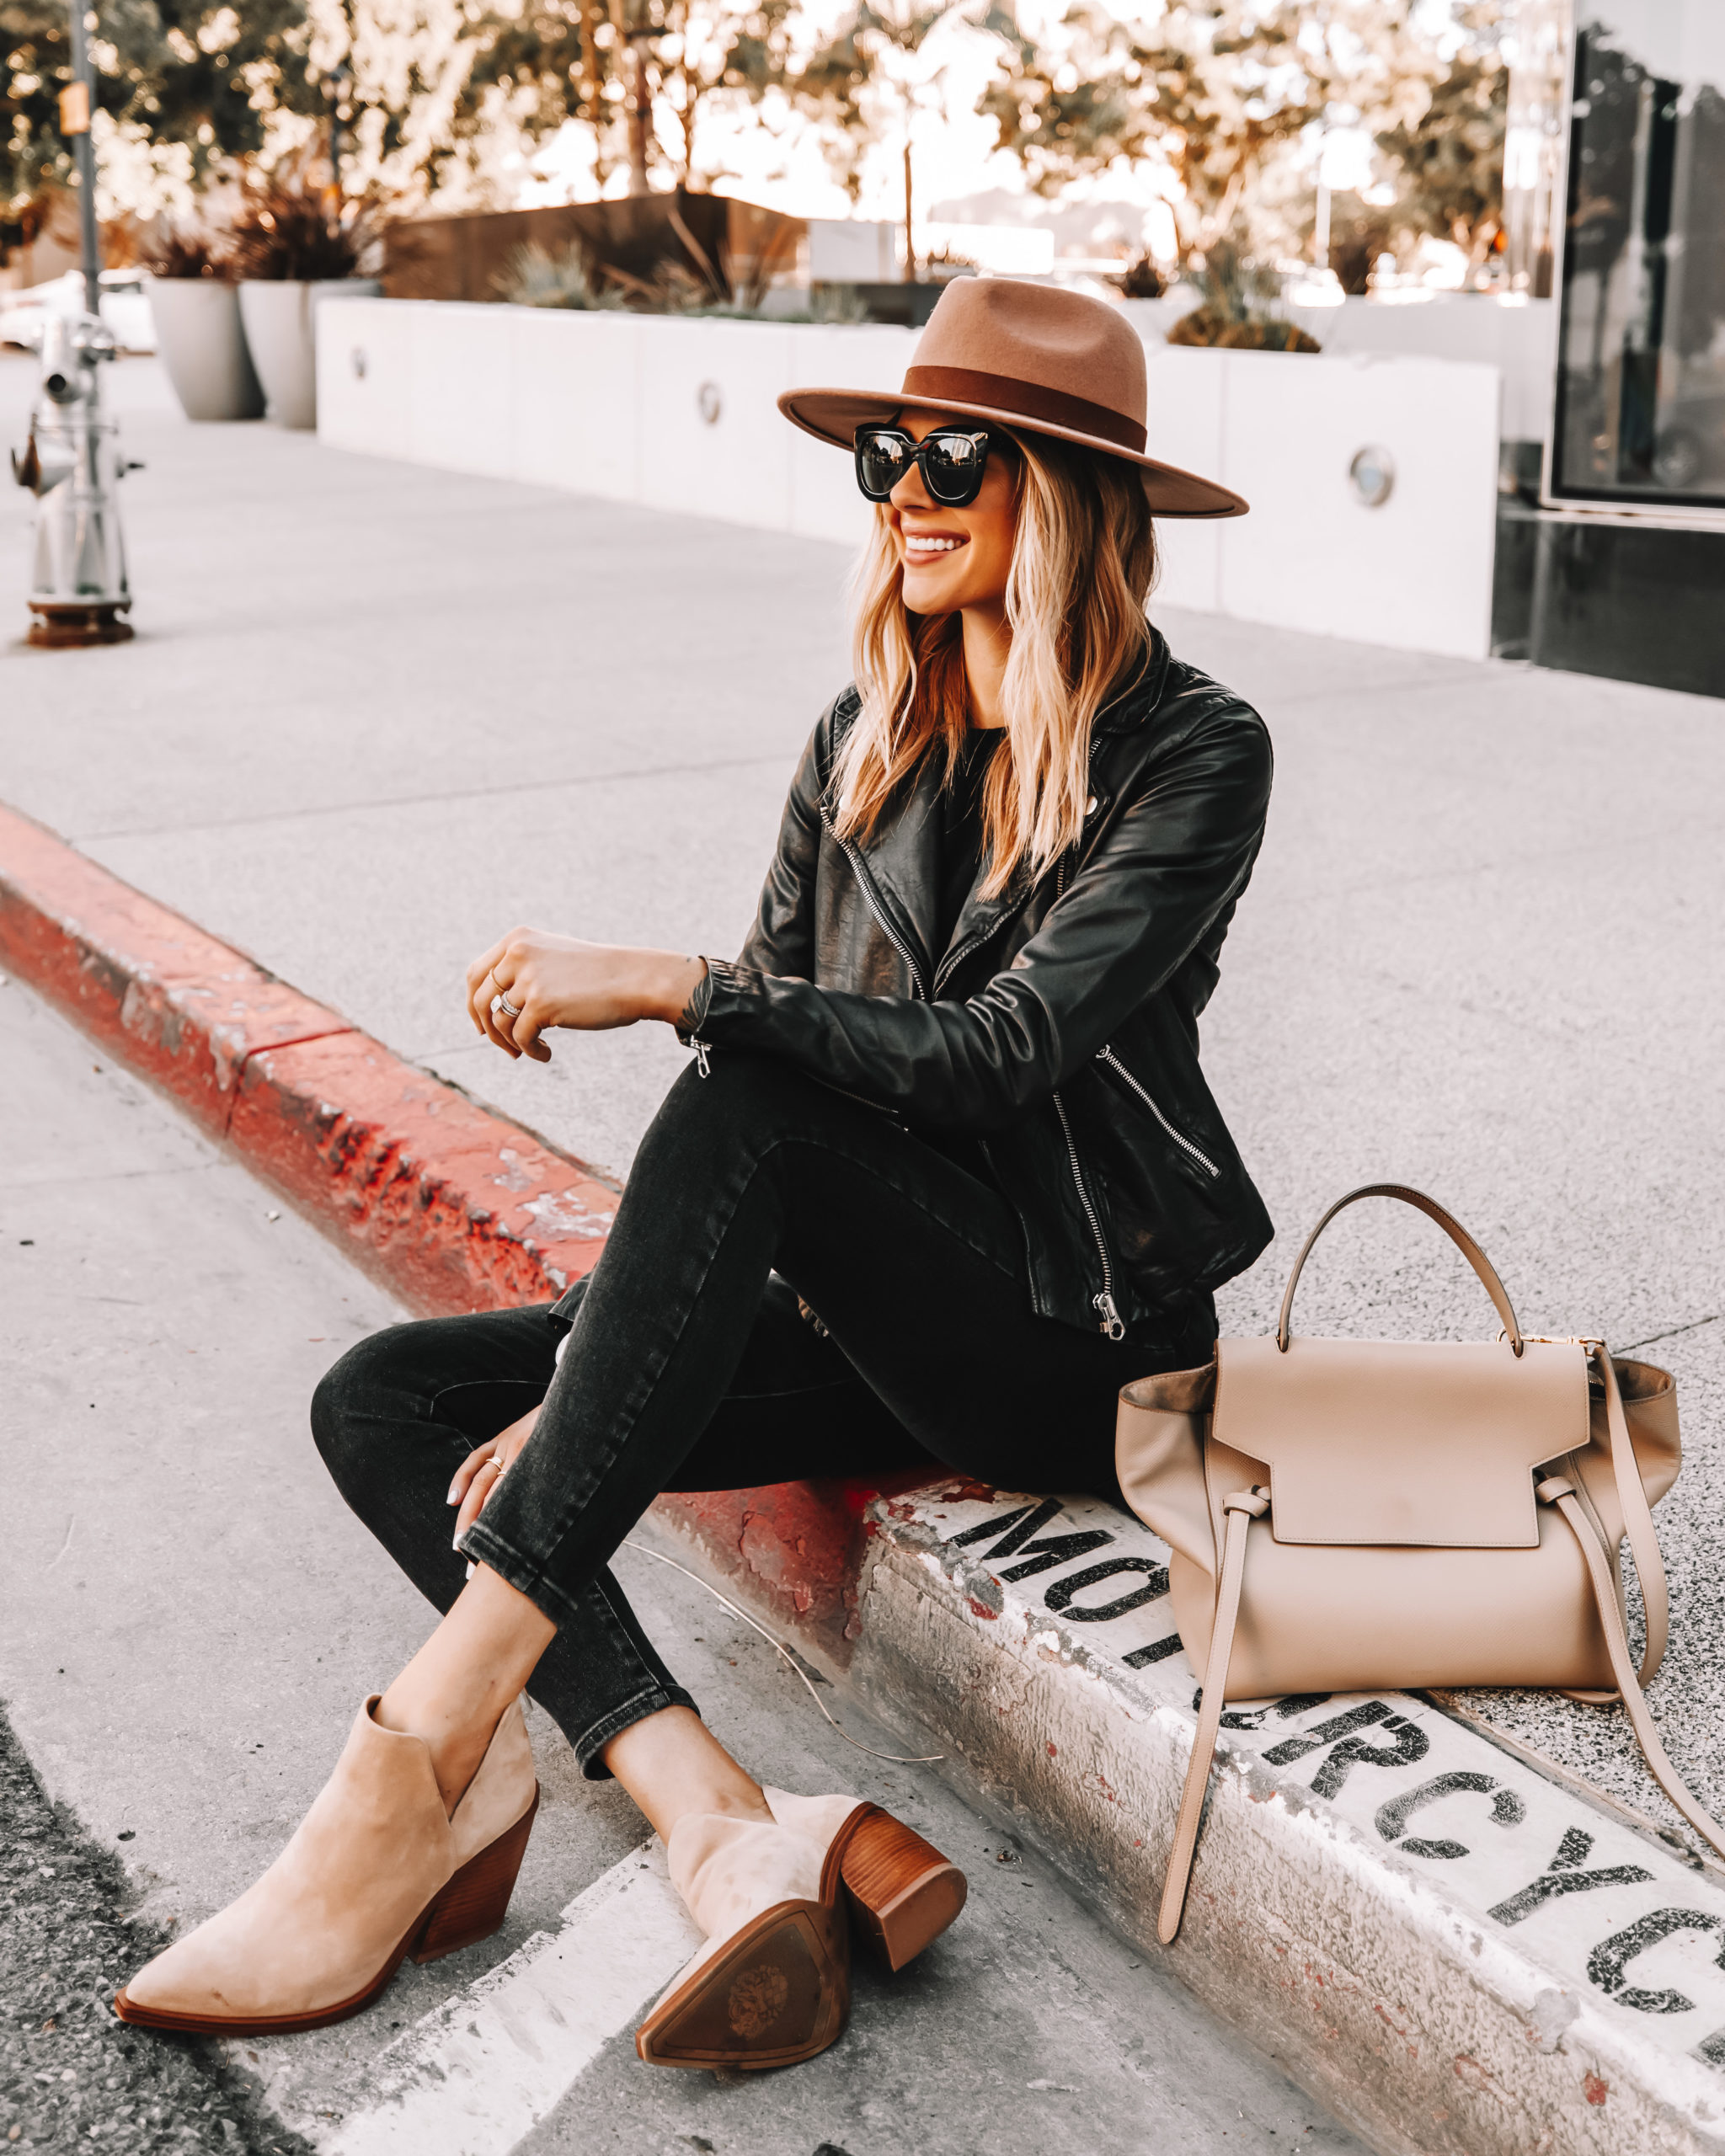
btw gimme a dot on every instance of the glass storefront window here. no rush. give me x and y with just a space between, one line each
1641 374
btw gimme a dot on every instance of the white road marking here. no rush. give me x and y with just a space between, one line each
477 2075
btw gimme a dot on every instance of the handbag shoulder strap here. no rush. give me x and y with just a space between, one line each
1637 1519
1241 1508
1638 1525
1556 1490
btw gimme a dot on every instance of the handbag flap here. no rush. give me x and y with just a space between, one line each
1388 1441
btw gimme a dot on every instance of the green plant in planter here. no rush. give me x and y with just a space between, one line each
284 232
1140 280
1235 297
676 291
533 276
187 251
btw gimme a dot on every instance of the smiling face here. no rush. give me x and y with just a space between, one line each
954 559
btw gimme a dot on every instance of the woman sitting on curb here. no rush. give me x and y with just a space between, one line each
948 1098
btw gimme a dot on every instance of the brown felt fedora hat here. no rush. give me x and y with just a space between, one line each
1030 356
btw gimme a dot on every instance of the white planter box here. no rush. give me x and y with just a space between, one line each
712 443
1186 391
1415 571
681 416
577 419
281 325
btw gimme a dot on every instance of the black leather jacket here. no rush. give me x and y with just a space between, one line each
1061 1023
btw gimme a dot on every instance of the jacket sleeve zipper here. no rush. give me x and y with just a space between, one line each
1106 1055
1112 1322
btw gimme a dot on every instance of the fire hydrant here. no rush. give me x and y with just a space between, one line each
71 463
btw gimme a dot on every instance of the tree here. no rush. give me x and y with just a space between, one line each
623 69
193 79
1232 96
439 96
1211 90
1447 161
882 67
714 51
1069 108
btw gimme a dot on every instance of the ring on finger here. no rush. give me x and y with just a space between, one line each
508 1010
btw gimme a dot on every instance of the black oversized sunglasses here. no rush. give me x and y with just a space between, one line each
954 461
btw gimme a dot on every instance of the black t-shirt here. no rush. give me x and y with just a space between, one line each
960 852
957 863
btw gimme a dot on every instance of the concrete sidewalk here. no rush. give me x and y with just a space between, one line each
190 1617
377 714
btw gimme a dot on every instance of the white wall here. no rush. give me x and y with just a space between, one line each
617 406
1514 335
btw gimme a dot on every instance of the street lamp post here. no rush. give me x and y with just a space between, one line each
336 85
77 100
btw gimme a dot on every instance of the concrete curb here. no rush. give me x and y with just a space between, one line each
444 1202
1455 1952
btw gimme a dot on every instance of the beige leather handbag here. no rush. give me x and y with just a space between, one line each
1374 1515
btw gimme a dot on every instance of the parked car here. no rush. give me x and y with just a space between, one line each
126 308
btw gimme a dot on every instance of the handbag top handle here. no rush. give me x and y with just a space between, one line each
1451 1227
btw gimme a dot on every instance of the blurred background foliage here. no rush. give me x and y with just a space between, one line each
444 103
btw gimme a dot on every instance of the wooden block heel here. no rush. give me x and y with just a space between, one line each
903 1892
476 1900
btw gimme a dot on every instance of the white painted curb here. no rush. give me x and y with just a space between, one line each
477 2075
1456 1953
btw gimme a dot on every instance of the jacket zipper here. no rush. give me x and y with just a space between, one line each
1113 1323
1106 1055
853 854
962 951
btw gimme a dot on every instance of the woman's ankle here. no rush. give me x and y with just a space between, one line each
457 1733
673 1766
730 1801
456 1689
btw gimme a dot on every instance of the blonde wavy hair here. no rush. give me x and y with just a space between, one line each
1084 559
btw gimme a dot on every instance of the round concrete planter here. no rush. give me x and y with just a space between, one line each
203 347
279 322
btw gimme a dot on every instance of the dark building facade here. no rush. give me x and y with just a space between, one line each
1612 543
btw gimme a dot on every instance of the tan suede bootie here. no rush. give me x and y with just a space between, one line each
771 1986
376 1870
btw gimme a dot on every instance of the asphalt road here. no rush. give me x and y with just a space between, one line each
69 2071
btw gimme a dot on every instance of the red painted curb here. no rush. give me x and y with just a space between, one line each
449 1204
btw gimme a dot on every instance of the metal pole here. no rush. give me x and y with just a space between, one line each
83 151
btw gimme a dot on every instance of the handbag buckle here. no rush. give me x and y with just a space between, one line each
1557 1340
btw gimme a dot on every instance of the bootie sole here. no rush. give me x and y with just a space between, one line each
779 1992
470 1905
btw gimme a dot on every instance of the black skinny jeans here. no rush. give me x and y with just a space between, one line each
689 1367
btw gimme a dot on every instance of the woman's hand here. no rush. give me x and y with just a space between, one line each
483 1469
559 980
